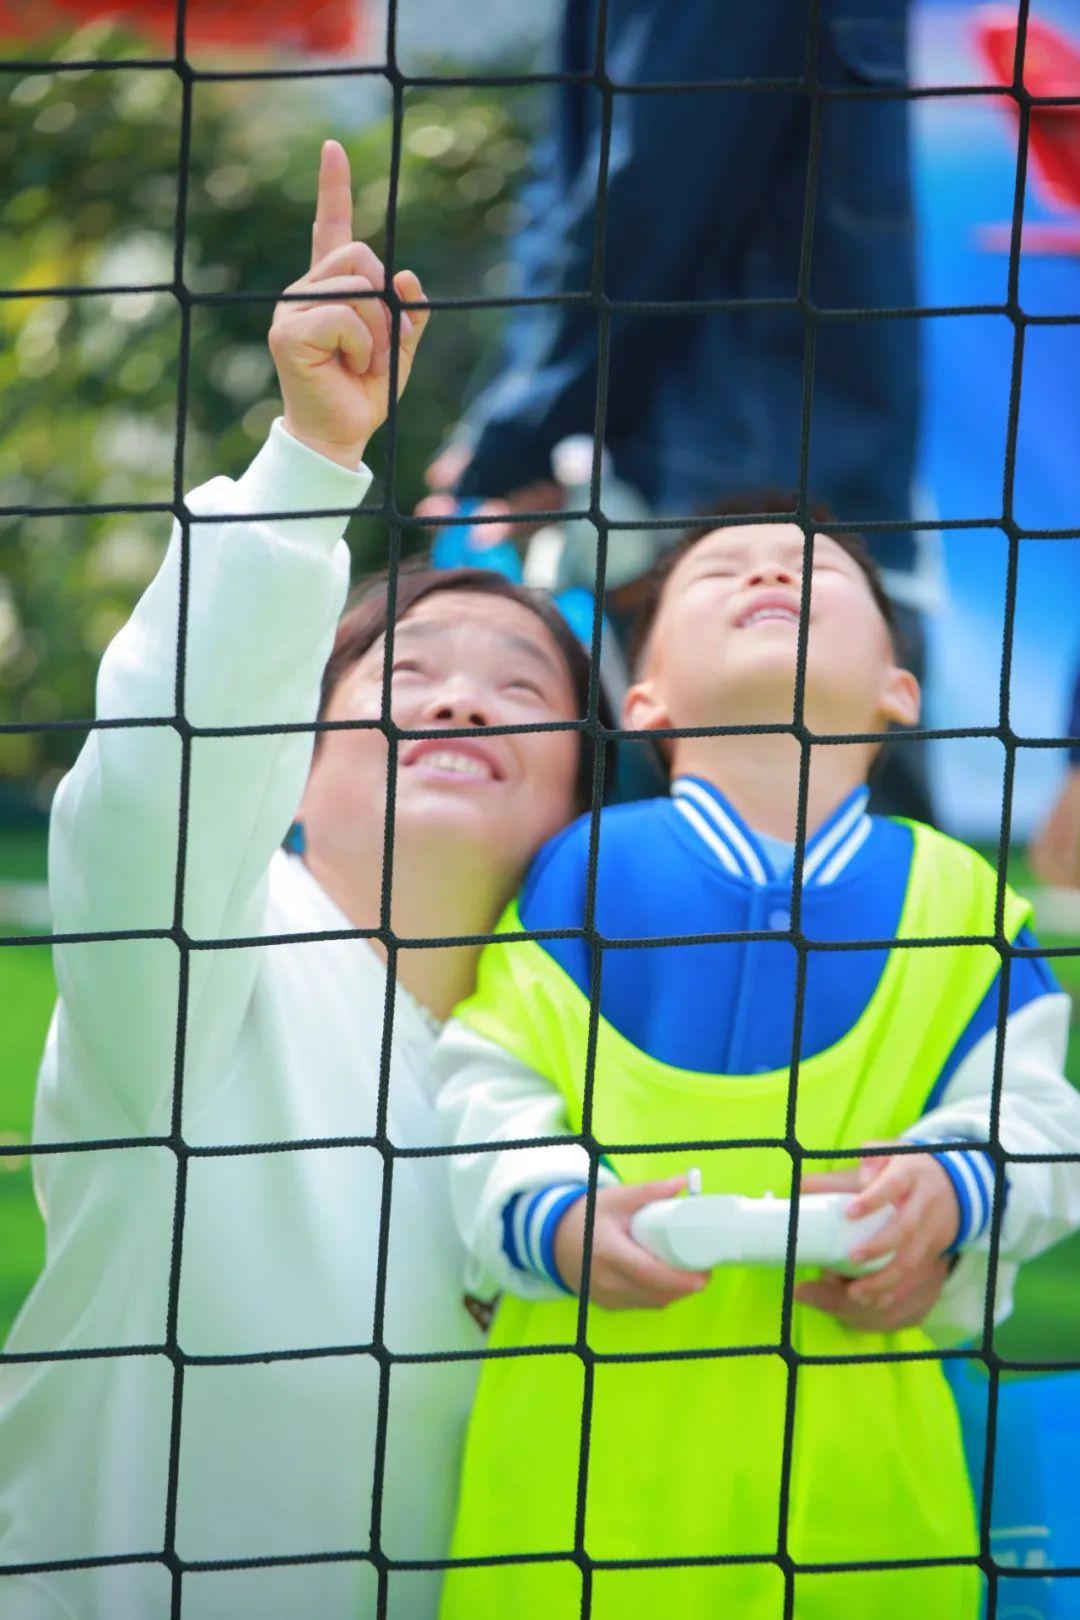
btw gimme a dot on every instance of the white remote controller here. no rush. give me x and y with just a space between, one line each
704 1230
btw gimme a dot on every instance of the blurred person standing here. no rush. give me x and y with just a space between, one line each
1055 848
705 200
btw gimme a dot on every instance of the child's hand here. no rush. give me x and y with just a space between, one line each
927 1220
333 355
832 1293
623 1276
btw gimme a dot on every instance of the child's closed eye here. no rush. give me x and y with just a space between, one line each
521 683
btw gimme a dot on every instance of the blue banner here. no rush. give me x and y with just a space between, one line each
965 171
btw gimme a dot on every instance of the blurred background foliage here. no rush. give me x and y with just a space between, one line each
88 385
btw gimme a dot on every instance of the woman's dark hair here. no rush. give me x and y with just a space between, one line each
767 504
367 614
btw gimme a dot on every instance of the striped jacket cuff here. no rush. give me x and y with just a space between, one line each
529 1221
971 1172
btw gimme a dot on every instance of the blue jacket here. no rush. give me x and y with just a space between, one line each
705 200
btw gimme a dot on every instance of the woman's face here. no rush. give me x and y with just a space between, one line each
461 659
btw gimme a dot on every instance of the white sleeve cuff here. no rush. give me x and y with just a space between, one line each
972 1178
287 476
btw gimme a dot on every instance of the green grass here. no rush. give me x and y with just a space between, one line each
27 992
1044 1327
22 854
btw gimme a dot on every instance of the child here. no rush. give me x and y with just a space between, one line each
693 1043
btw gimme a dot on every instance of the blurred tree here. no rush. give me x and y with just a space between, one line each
88 384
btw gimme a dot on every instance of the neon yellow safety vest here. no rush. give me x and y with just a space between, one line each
685 1456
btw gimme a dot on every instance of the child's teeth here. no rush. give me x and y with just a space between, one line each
772 613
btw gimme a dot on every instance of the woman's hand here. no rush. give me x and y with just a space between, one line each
333 354
623 1276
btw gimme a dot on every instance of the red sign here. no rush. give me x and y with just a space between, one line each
322 27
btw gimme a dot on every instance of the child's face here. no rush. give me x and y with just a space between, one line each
723 645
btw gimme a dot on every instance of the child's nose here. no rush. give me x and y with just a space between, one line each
771 573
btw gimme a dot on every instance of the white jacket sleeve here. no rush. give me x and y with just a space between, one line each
1039 1114
486 1095
264 599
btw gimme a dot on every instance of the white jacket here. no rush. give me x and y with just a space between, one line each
279 1248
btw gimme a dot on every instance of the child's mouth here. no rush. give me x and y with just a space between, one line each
770 615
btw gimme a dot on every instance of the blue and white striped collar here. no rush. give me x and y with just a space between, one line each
736 845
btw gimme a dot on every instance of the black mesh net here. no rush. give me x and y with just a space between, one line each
369 1547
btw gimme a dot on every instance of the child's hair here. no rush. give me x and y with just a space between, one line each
367 615
768 503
